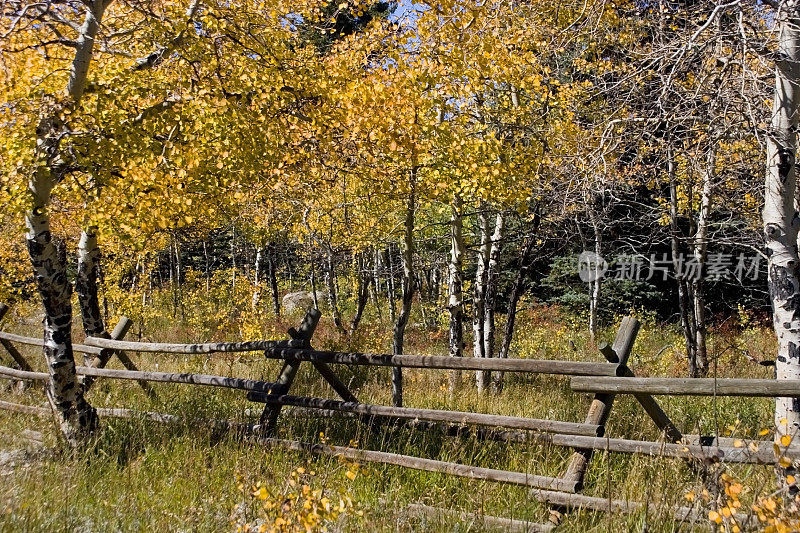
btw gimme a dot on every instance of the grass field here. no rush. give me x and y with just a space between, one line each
141 475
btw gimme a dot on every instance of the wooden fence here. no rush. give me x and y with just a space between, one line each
605 380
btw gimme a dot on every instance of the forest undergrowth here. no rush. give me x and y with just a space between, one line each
140 475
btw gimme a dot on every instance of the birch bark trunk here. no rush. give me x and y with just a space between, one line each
701 256
75 416
492 281
257 279
233 260
178 279
780 216
597 283
513 300
455 287
479 296
86 284
207 267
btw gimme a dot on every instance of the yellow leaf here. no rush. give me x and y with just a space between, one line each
770 504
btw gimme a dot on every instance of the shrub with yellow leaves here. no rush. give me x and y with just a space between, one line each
776 512
298 506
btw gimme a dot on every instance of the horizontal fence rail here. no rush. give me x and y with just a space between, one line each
162 377
296 350
211 347
428 465
724 451
535 366
434 415
163 418
82 348
689 386
512 525
761 454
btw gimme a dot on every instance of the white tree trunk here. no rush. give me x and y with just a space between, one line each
479 296
86 284
780 216
76 417
492 281
257 280
455 286
517 289
701 256
597 283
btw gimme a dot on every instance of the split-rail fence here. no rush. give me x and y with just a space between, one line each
604 379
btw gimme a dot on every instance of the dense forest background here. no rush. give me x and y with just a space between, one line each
433 153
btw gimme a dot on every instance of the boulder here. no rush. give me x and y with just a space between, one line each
303 300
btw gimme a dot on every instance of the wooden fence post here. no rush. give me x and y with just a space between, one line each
647 402
602 403
269 417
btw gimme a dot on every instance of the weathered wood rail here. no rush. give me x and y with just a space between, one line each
534 366
159 377
605 379
19 339
433 415
765 388
207 348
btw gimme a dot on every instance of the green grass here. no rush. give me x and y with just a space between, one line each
143 476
